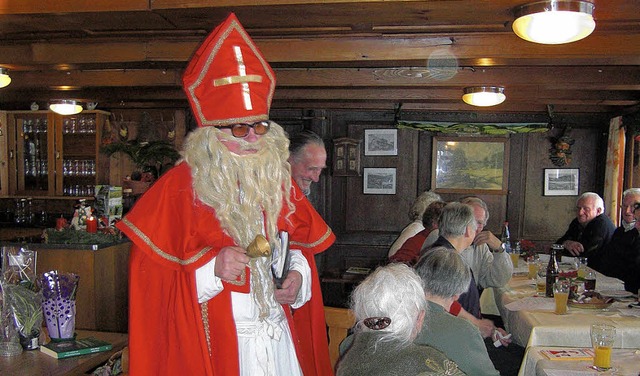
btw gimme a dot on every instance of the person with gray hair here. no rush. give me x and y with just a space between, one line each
307 157
620 258
457 227
445 276
389 307
590 231
416 212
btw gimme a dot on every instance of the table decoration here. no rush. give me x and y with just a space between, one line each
59 303
72 236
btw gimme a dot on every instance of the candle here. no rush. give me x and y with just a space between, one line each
92 224
60 223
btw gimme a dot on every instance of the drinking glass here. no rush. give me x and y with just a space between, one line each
602 338
515 256
582 267
541 280
561 296
532 265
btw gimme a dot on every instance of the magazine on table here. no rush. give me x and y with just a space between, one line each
568 354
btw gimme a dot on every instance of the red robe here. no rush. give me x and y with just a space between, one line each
174 234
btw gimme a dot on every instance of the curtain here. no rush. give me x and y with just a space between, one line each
614 171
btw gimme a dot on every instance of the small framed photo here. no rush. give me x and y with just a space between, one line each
380 142
380 181
561 181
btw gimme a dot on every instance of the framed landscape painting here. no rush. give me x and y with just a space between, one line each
470 165
381 142
561 181
380 181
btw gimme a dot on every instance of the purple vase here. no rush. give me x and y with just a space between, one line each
59 303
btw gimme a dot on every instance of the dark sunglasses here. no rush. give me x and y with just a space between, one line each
242 130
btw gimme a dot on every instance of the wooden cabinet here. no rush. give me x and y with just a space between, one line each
102 300
55 155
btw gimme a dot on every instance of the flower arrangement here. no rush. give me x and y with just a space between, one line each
528 248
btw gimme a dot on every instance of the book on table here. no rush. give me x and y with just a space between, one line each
67 349
568 354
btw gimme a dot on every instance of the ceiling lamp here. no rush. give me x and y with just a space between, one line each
65 107
554 21
483 96
5 80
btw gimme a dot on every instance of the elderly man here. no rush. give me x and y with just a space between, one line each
620 258
457 229
200 303
445 276
307 158
491 266
590 230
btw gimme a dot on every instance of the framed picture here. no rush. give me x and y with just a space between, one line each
561 181
380 142
380 181
470 165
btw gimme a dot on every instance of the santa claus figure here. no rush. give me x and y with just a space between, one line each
199 304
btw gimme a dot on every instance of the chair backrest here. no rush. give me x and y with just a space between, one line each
339 321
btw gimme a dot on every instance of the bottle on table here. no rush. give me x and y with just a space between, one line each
590 280
552 269
506 237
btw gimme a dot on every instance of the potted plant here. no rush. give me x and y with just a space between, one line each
27 313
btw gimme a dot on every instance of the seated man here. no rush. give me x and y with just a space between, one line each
491 266
590 230
620 258
457 228
445 276
409 252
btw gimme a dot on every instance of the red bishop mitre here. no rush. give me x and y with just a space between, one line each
228 81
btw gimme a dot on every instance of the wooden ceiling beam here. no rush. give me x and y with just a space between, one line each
477 50
564 78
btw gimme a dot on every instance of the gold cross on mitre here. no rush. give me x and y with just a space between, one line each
242 78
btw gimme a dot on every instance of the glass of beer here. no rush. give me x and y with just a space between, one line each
532 265
541 281
582 267
561 296
602 338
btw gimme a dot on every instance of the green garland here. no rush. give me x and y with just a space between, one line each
474 128
72 236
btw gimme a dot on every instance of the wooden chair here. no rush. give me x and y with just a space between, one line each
339 321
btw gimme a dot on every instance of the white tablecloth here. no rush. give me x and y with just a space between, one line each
532 322
626 362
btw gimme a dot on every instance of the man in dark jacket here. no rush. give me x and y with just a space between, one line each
590 230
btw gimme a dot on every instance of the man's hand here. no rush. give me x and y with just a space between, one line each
504 341
290 288
487 237
575 248
230 263
486 327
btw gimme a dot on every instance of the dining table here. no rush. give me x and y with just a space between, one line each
625 362
531 320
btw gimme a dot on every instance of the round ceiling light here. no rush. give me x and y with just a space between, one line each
554 21
65 107
5 80
484 96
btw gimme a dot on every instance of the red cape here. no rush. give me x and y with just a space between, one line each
173 235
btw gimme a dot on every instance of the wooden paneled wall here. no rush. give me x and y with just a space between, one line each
367 224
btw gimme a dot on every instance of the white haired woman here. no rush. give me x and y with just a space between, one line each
389 307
